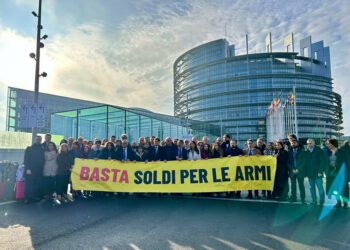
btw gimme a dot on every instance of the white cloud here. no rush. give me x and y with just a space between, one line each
130 64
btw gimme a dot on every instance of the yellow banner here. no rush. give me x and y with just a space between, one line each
212 175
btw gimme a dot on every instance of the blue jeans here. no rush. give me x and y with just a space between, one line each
319 183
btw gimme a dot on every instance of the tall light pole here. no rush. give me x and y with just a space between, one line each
36 56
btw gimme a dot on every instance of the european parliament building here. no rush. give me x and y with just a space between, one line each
214 85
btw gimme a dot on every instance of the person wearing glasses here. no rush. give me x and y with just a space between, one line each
250 151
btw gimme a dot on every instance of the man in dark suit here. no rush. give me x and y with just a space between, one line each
181 151
249 151
226 145
125 153
158 150
46 142
234 150
169 150
296 170
315 166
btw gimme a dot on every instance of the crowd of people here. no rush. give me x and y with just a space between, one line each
48 168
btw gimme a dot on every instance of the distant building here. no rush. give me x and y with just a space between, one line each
213 84
106 120
73 117
17 97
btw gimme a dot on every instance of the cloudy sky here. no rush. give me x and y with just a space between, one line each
121 51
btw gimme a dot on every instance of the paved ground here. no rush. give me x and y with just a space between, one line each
172 223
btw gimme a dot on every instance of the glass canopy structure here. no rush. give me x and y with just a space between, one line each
105 121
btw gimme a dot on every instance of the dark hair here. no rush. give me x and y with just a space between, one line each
98 142
226 135
63 141
48 135
279 142
113 136
157 139
334 142
54 146
220 151
181 141
293 136
195 147
112 145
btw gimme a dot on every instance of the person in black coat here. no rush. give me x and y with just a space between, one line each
281 186
315 166
181 151
63 171
226 145
108 153
34 160
338 176
148 151
125 153
45 144
140 155
158 150
234 150
296 162
169 150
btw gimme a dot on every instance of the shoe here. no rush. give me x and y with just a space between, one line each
338 205
292 199
57 202
314 203
249 197
27 201
304 202
257 197
346 206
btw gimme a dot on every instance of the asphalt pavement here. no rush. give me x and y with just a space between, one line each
172 223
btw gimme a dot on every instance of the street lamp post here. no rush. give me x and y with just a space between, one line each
36 57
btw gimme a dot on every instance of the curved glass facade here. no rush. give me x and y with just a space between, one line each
213 85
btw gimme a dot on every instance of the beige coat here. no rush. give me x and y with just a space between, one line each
255 151
51 166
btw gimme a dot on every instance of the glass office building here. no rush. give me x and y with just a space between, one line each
17 97
212 84
105 121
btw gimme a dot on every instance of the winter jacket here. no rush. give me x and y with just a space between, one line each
34 159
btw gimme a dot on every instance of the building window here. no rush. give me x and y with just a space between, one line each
316 55
306 51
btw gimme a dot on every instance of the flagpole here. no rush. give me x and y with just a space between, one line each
295 113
